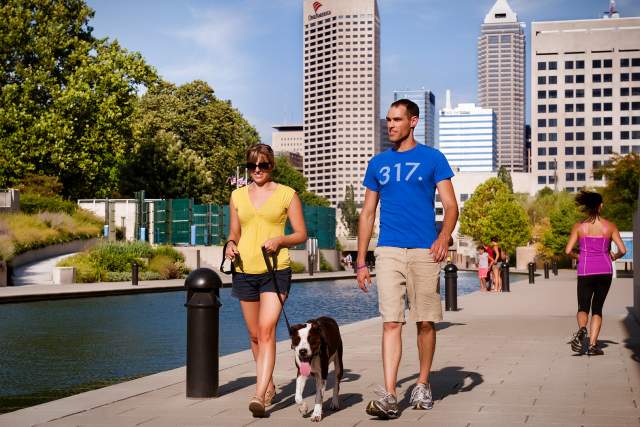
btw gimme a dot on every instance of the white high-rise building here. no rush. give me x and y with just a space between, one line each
585 90
467 137
424 133
341 94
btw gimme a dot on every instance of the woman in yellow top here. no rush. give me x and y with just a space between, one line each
258 214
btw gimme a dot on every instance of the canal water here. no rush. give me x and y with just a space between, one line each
55 348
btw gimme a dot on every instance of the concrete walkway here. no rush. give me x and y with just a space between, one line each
502 360
37 273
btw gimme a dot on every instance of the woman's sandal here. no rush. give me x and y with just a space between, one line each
269 395
257 407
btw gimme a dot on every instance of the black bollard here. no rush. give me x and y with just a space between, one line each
546 269
451 287
134 274
203 317
554 267
531 272
504 274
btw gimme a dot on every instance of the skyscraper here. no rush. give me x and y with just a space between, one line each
341 94
501 81
585 90
424 133
467 137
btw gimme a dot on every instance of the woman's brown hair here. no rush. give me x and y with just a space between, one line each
261 150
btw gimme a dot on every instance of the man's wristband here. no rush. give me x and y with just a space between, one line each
360 267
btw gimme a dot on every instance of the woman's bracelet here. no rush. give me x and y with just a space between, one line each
234 242
360 267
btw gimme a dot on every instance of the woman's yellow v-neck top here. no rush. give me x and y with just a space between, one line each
257 225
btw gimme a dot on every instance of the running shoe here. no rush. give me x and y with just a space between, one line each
386 407
577 342
421 397
594 350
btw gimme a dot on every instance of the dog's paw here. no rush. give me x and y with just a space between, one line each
317 415
335 403
303 408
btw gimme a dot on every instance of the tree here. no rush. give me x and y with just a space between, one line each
505 176
621 193
286 174
66 98
561 220
214 130
164 168
349 212
492 211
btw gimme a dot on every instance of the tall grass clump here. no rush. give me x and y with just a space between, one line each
21 232
111 262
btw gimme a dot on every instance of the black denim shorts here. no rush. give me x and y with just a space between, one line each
248 287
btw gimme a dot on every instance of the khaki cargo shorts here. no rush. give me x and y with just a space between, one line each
412 274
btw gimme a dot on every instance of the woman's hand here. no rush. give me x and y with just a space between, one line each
272 245
232 251
612 255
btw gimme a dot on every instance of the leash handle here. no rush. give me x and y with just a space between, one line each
232 270
271 269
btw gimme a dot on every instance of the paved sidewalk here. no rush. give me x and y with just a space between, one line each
501 361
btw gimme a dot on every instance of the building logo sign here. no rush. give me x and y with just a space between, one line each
316 6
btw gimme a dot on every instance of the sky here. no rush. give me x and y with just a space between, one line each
250 51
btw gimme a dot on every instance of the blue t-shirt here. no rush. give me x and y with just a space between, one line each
407 182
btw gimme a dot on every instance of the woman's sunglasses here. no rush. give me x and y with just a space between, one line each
262 165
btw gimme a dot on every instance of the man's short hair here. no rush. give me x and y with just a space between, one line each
412 107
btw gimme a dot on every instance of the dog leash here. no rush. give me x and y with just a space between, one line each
271 268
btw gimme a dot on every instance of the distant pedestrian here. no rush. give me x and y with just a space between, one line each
595 269
404 180
483 267
258 213
348 261
496 256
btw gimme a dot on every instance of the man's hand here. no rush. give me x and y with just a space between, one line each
364 279
440 247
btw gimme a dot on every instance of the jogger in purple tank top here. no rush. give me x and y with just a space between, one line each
595 268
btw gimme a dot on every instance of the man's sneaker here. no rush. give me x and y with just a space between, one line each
577 342
386 407
421 397
594 350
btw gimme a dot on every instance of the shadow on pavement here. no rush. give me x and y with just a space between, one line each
286 394
444 325
445 382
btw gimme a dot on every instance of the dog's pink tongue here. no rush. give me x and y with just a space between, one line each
305 368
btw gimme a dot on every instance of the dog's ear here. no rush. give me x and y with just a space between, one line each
295 328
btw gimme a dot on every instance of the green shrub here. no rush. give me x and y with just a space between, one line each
164 266
86 272
118 256
34 203
169 251
324 264
43 185
297 267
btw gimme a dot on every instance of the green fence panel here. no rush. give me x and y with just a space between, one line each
160 222
181 210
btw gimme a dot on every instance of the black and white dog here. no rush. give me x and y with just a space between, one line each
317 343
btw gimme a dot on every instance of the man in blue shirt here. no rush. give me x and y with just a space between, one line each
410 250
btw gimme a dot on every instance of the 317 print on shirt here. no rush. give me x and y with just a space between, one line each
398 170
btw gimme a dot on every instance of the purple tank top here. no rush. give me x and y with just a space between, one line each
594 255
